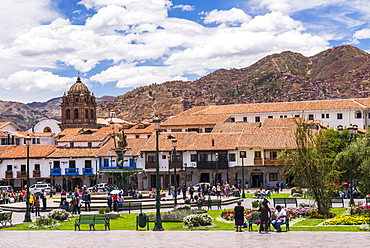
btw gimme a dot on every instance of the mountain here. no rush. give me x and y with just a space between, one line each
340 72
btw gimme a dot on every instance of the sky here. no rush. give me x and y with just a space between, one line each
118 45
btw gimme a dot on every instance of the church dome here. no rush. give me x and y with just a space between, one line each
79 88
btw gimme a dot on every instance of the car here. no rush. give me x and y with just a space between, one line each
38 187
7 188
199 185
99 186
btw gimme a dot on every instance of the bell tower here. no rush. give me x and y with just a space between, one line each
78 107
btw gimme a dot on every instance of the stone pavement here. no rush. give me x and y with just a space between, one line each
188 239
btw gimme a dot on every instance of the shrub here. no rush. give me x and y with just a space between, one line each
313 214
296 190
256 204
179 207
196 220
44 222
361 210
58 214
103 210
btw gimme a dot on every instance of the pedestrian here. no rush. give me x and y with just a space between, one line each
239 216
109 201
184 189
43 197
264 216
63 198
37 206
31 201
191 192
76 204
281 185
279 218
218 190
115 202
87 200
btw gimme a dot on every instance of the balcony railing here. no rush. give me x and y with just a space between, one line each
71 171
178 164
56 171
274 162
258 161
87 171
8 174
36 173
21 174
150 165
212 164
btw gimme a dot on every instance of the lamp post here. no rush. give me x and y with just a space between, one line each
242 156
169 174
96 170
158 222
51 179
216 155
174 144
352 131
27 216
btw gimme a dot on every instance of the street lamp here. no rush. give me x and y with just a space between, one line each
158 222
216 167
243 155
51 179
352 131
169 174
27 216
174 144
96 170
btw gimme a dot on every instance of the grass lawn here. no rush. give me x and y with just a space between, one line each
128 222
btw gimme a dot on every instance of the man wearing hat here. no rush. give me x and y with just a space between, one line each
264 216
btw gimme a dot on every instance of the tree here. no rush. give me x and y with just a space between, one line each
312 163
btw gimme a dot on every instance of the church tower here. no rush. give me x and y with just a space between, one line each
78 107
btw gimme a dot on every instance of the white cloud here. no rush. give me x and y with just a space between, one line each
227 16
184 7
362 34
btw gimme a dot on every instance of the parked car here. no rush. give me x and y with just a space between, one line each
38 187
7 188
99 186
199 185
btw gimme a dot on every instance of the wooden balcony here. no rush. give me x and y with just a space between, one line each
8 174
274 162
258 161
36 173
21 174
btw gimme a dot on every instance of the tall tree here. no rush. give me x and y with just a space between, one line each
311 164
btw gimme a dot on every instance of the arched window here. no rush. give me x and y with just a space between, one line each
86 114
76 99
47 130
76 114
68 114
92 116
358 115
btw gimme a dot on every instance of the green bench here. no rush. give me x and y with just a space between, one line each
285 201
254 219
122 206
6 217
92 220
210 203
337 200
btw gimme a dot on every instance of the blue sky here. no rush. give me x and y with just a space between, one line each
117 45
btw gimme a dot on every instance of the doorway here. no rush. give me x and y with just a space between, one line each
257 180
204 178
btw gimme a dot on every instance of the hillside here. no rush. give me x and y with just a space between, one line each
341 72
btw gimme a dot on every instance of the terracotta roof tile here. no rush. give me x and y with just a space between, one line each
68 131
36 151
134 144
234 127
195 120
73 152
83 138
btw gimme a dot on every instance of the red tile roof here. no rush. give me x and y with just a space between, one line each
73 152
83 138
36 151
195 120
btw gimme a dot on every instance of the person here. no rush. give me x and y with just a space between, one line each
218 190
37 206
115 202
191 192
281 185
31 201
87 200
264 216
43 197
184 189
109 201
279 218
76 204
63 197
239 216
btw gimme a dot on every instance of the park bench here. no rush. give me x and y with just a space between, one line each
254 219
130 206
6 217
337 200
214 202
92 220
285 201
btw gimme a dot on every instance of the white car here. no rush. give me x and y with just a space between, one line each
38 187
199 185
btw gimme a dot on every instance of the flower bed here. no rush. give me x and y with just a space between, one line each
176 215
348 220
196 220
361 210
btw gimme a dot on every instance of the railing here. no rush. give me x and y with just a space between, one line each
258 161
87 171
21 174
150 165
8 174
36 173
56 171
178 164
212 164
71 171
274 162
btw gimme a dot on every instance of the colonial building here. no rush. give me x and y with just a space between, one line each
78 107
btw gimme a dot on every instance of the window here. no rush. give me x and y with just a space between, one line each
72 164
310 117
106 162
23 167
257 119
87 163
86 114
193 130
92 114
285 116
270 116
76 114
245 119
358 115
89 144
68 114
232 157
281 116
137 136
208 129
327 116
9 167
232 119
164 156
179 130
151 158
339 116
368 116
37 166
296 116
56 164
71 145
193 157
322 116
273 155
273 176
257 154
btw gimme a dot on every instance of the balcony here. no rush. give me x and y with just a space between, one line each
21 174
150 165
55 172
87 171
71 171
212 164
36 173
258 161
8 174
178 164
274 162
